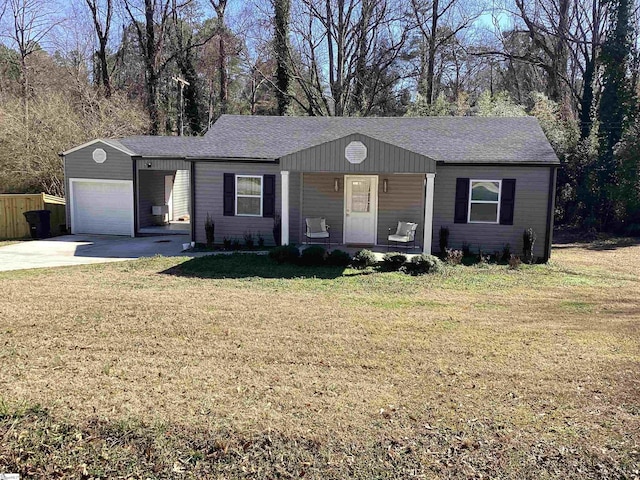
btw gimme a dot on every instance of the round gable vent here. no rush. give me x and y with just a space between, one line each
99 155
355 152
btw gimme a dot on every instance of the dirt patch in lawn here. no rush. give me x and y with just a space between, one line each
478 371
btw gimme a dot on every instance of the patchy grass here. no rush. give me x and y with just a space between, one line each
233 366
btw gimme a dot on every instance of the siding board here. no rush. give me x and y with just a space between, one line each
381 158
208 180
532 194
80 164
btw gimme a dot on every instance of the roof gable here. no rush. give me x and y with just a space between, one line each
109 142
380 157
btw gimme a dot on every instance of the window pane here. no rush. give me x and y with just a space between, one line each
249 185
487 191
484 212
248 206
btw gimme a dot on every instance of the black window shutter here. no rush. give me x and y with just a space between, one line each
269 196
507 201
462 200
229 195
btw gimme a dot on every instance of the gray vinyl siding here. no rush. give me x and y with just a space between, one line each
209 198
319 199
403 202
80 164
181 194
150 193
381 158
531 201
162 164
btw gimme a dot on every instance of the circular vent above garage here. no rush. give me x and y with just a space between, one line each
355 152
99 155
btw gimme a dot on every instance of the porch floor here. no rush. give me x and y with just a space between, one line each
171 228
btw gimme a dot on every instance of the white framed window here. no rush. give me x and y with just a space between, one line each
249 195
484 201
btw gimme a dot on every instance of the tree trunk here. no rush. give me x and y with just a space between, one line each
282 14
431 55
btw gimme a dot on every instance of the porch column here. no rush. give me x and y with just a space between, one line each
428 212
284 209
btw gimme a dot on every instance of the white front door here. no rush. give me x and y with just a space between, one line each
360 209
168 195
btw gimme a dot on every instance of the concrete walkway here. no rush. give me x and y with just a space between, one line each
85 249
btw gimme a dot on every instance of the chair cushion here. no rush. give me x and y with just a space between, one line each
406 228
400 238
316 225
318 235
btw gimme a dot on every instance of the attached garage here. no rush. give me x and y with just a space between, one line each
116 186
101 206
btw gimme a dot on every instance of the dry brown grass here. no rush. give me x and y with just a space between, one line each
480 371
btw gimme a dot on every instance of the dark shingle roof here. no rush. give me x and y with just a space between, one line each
445 139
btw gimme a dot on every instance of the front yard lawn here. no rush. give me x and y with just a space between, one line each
235 367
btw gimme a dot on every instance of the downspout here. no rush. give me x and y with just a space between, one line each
551 205
135 196
192 210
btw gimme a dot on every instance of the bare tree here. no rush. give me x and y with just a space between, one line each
438 23
151 31
32 21
354 42
102 27
220 7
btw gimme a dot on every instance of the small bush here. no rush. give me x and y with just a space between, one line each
313 256
393 261
227 243
444 240
363 259
248 240
338 258
483 258
285 254
453 257
466 249
421 264
528 241
235 245
506 252
514 262
260 240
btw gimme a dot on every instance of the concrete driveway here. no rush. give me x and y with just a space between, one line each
84 249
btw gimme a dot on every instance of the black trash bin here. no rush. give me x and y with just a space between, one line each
39 223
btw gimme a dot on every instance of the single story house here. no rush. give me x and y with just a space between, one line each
486 179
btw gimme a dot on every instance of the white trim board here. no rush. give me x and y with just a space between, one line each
98 140
71 203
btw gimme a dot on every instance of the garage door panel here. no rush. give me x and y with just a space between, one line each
102 207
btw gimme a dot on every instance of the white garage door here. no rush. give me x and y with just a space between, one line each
102 207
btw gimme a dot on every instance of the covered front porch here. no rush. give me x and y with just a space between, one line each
362 187
359 210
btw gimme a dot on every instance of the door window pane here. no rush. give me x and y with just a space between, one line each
360 196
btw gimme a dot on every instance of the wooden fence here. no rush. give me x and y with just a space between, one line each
12 206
